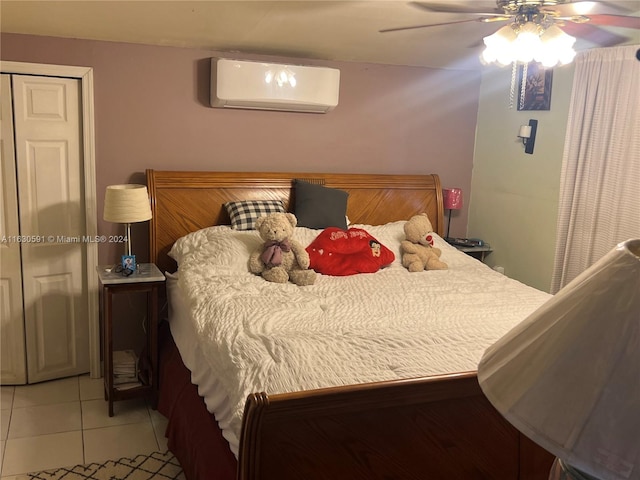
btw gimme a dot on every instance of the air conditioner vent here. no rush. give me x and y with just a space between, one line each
273 86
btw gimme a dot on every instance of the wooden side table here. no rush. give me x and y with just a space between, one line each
148 279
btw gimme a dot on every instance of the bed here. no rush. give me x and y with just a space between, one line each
404 426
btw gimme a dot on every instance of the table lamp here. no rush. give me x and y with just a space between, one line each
568 376
127 204
452 201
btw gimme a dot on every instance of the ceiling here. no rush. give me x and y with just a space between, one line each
325 30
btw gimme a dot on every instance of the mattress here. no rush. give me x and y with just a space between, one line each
239 334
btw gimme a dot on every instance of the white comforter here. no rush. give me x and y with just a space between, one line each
241 334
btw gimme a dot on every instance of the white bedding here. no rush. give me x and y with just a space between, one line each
239 334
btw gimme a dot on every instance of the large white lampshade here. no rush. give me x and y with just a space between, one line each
127 204
568 376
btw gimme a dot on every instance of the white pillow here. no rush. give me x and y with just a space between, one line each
223 247
228 249
390 235
220 246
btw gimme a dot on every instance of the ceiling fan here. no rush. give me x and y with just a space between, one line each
541 18
560 11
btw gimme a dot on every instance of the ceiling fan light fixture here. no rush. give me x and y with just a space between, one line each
556 48
519 5
499 46
529 41
527 44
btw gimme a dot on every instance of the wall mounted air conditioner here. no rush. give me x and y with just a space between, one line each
273 86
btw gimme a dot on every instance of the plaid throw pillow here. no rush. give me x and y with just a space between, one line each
243 214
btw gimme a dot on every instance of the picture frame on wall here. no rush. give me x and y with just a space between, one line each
537 87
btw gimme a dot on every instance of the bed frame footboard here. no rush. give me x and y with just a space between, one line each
429 428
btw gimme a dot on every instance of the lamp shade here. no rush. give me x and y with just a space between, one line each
568 376
126 204
452 198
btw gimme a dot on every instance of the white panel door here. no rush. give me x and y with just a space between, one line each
13 368
51 198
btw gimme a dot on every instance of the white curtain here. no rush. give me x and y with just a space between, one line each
600 182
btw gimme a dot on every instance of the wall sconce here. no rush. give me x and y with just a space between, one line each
528 135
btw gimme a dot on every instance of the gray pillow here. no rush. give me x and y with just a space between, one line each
317 206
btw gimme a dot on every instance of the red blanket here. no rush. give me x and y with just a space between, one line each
347 252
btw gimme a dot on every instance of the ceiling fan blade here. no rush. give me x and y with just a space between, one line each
446 8
586 8
397 29
497 18
617 8
593 34
615 21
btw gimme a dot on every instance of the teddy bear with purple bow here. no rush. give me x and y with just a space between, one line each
280 259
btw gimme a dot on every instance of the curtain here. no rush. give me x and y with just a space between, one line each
599 202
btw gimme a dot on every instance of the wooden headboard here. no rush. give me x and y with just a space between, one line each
183 202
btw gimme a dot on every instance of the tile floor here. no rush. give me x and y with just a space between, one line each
65 422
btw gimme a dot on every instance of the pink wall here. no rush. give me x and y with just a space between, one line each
151 111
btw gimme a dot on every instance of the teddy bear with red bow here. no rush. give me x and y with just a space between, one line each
418 252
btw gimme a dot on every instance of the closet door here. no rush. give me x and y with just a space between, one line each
51 198
12 347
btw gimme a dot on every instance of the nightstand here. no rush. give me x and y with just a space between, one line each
135 373
476 252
